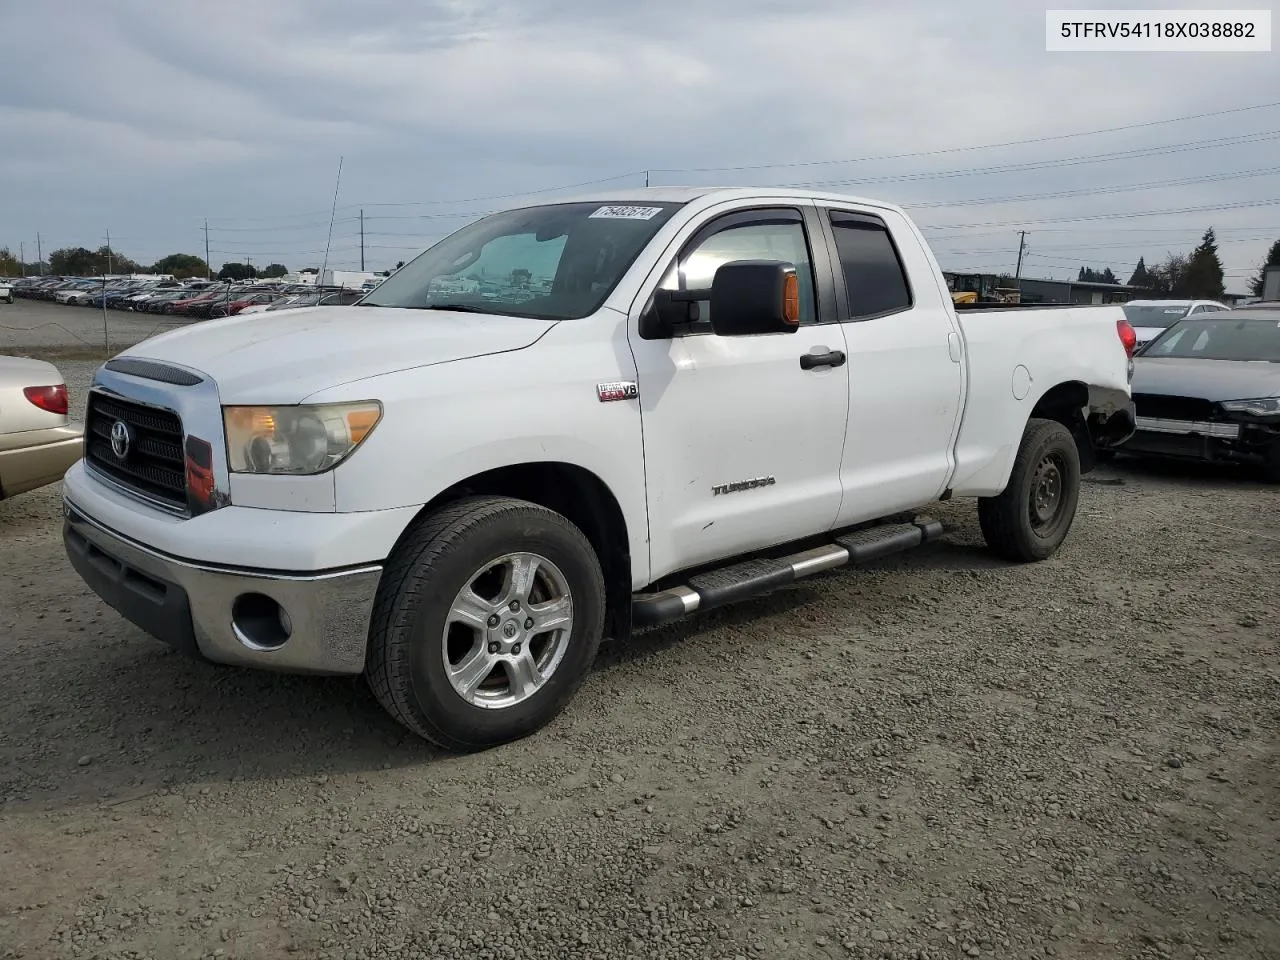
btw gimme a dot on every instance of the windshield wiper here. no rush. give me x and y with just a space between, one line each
455 307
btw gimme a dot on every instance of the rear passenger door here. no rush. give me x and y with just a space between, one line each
906 371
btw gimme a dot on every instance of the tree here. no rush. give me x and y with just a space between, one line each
1255 285
72 262
9 265
237 271
1140 277
1204 278
1089 275
1169 279
81 262
272 270
183 266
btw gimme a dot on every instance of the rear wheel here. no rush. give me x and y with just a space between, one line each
489 615
1029 520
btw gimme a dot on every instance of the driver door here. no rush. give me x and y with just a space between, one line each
742 440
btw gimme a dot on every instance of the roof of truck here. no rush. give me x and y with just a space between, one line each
678 194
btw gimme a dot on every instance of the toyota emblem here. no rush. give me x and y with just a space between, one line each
121 439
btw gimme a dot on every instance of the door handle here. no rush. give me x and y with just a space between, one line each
832 358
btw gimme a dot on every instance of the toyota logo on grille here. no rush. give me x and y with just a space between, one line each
121 439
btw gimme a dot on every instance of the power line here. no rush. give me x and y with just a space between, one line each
987 146
1118 216
1024 166
1098 191
781 165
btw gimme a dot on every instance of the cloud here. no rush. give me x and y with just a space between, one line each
152 116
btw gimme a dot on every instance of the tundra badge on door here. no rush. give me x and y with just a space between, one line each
738 485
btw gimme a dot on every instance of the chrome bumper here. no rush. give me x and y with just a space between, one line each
229 615
1223 431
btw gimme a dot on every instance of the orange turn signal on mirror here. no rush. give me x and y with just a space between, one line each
791 299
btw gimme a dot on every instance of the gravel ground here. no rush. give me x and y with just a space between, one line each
944 756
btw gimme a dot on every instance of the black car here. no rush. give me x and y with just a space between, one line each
1208 388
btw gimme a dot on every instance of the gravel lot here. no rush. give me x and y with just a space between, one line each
942 757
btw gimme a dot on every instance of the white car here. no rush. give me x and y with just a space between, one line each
73 296
653 403
1150 318
6 291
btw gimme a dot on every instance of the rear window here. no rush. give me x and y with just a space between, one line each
1158 315
874 278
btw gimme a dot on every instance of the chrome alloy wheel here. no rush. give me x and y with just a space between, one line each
507 630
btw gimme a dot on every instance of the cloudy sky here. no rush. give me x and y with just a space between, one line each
144 117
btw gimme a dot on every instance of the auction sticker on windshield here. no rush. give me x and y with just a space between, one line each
627 213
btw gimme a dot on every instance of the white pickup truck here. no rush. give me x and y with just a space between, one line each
568 420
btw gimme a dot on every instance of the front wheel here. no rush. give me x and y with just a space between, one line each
489 614
1031 518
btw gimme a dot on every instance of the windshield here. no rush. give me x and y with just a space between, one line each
1250 338
553 262
1157 315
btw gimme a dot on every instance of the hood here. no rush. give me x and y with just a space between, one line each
287 355
1213 380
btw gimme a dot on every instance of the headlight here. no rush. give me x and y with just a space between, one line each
296 440
1263 407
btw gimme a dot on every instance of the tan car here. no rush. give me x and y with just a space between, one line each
38 440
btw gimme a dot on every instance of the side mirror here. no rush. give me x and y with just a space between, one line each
755 296
669 310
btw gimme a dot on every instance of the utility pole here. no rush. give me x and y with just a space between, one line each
362 241
39 255
108 251
1022 242
22 257
207 267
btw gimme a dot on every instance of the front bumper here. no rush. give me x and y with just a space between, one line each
229 614
1210 441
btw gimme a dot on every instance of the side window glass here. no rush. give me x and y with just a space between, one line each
749 241
874 278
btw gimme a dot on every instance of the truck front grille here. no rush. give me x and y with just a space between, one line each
1157 406
152 464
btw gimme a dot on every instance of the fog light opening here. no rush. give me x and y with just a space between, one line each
259 622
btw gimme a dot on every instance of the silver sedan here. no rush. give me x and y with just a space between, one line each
38 440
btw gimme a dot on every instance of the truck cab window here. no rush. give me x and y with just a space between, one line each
874 278
771 240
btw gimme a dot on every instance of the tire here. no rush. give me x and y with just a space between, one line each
412 637
1012 524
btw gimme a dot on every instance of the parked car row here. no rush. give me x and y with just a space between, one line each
195 299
